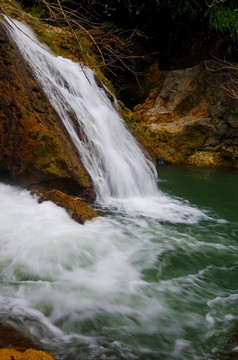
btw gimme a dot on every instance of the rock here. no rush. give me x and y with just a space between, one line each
35 148
203 158
14 345
10 337
232 348
30 354
233 120
191 119
78 209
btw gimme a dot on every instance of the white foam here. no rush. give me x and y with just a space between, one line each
110 153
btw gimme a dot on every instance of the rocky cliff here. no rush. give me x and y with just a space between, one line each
192 116
35 149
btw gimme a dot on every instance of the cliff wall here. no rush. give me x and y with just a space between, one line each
192 116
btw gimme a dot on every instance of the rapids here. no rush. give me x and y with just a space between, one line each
154 278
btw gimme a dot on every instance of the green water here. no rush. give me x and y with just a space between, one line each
216 297
155 284
215 189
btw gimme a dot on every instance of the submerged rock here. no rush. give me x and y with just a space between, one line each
192 119
35 148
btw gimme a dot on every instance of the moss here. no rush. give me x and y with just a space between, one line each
63 45
132 119
207 149
225 117
25 100
185 106
38 12
45 154
234 158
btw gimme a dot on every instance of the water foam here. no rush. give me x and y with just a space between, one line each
111 155
137 283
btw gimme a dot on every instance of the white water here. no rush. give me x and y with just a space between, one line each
121 173
109 152
139 283
122 286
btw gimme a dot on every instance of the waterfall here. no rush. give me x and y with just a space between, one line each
116 163
156 281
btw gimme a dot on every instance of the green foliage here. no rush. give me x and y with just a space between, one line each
63 45
190 9
108 25
234 158
224 18
38 12
132 119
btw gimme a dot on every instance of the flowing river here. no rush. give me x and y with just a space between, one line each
128 285
154 278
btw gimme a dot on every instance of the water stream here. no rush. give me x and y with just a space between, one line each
155 278
111 155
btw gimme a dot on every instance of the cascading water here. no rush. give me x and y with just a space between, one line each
154 279
109 152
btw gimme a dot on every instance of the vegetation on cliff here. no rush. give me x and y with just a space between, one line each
86 34
177 33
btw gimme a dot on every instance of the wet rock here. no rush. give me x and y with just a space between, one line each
10 337
78 209
15 346
35 148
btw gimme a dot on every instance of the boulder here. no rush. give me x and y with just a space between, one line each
193 117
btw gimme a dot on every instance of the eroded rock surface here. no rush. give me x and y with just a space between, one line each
192 119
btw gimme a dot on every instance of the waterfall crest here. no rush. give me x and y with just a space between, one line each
113 158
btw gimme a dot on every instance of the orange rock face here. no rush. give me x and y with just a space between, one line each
35 149
30 354
15 346
78 209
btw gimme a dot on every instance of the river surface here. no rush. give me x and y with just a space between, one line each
154 278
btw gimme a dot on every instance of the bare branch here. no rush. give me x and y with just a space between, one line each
229 81
113 46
